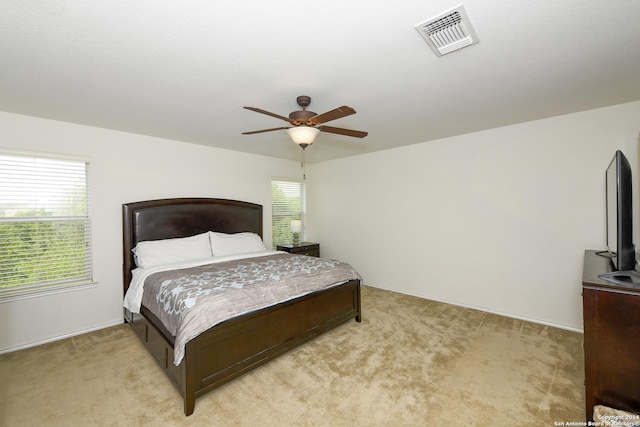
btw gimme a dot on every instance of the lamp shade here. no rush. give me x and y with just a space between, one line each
296 226
303 135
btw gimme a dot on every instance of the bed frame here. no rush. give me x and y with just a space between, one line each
238 345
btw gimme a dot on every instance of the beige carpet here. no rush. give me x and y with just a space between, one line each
410 362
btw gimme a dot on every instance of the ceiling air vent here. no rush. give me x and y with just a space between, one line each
448 32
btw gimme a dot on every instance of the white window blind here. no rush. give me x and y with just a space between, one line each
45 227
288 203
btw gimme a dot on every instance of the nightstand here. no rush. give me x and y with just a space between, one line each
304 248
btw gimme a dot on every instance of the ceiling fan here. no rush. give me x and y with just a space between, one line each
305 123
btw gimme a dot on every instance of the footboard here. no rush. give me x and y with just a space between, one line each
238 345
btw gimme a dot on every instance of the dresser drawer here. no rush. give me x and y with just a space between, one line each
305 248
313 250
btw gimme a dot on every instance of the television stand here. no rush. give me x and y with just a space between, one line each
611 312
629 278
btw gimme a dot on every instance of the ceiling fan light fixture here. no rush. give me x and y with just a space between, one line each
304 123
303 135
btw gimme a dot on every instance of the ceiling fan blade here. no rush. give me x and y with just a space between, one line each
269 113
341 131
336 113
264 130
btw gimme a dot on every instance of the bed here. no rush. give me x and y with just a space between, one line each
241 343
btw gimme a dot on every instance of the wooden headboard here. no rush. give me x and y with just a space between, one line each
182 217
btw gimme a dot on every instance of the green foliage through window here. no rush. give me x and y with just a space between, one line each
45 232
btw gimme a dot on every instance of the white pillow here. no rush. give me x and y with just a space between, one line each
169 251
224 244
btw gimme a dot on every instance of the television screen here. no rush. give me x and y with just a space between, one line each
612 207
619 202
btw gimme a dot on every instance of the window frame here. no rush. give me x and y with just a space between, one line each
277 213
72 225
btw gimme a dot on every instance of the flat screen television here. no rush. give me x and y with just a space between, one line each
619 202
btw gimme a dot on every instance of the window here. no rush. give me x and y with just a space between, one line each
45 226
287 199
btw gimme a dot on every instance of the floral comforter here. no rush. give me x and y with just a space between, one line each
191 300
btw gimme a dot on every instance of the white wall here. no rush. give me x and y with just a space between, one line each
124 168
496 220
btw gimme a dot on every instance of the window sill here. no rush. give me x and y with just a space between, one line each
10 295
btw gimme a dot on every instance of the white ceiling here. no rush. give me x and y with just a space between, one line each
183 69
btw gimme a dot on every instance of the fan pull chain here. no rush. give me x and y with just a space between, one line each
302 165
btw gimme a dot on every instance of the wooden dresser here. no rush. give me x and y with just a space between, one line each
611 338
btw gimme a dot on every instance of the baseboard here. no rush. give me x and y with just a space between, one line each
486 310
60 337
